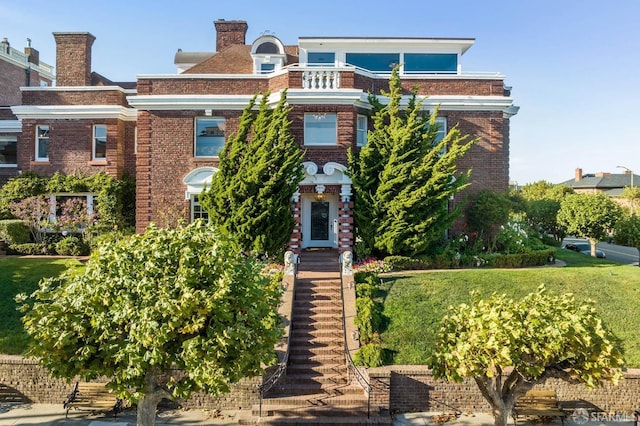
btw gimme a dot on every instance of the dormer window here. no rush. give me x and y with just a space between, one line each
268 54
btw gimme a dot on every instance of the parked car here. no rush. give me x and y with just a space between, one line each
585 248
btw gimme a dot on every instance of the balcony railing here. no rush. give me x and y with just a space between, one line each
320 79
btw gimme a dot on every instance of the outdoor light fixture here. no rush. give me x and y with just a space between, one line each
630 172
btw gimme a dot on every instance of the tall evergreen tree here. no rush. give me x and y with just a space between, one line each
403 178
259 171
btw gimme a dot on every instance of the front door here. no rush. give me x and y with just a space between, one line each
319 221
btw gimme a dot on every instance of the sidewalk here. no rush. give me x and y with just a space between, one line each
54 414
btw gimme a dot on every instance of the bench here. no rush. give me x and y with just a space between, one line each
541 403
92 397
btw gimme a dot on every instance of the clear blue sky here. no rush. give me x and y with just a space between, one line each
574 65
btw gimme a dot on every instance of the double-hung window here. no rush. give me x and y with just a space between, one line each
320 129
361 130
99 150
8 151
209 136
42 143
441 123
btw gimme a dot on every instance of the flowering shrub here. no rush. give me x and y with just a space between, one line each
513 236
72 215
34 212
371 265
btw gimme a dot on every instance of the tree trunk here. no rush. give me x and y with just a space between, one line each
147 410
501 416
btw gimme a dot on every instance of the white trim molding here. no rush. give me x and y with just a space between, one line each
10 126
55 112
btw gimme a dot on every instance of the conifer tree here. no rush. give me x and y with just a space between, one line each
403 178
259 171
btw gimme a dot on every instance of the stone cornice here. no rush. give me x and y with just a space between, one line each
54 112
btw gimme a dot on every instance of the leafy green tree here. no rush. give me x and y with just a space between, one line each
260 169
627 232
403 178
542 205
508 346
632 195
590 216
486 212
160 314
18 188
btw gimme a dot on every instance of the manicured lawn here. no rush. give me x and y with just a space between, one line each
21 275
415 303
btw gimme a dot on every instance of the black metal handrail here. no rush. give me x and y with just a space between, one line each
282 365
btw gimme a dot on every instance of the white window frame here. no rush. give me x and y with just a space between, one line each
89 198
362 126
312 140
94 144
13 139
39 139
135 140
195 204
442 132
222 126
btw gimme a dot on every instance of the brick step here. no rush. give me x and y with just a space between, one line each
314 309
332 419
312 369
326 298
318 293
316 316
310 350
302 389
319 379
330 358
308 333
319 399
337 326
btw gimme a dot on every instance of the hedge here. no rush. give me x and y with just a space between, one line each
14 231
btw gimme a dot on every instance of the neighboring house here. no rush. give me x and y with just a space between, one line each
167 130
611 184
17 69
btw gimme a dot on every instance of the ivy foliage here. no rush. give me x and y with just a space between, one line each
182 305
260 169
403 178
627 231
115 197
539 336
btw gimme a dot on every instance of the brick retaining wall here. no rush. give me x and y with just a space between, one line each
397 388
413 388
29 382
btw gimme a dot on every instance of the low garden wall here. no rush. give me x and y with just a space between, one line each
413 388
396 388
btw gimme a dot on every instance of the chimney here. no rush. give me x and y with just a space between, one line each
578 176
73 58
33 55
229 33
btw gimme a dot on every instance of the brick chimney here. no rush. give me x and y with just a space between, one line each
33 55
578 176
229 33
73 58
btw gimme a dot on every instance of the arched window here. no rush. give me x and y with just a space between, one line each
268 48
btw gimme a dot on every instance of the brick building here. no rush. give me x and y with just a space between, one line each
17 69
167 130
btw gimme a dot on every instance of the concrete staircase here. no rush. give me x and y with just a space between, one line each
317 388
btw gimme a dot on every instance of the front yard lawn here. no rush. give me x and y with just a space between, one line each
414 303
21 275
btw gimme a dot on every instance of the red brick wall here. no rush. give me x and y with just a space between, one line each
200 86
75 97
434 86
70 147
12 77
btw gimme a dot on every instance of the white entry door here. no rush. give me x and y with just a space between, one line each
319 221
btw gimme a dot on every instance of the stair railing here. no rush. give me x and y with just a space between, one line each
360 378
282 365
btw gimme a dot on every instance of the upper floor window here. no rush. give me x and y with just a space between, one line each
430 62
99 143
321 58
267 68
320 129
441 122
376 62
267 47
42 143
8 151
361 130
209 136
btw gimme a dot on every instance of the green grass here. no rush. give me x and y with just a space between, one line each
21 275
414 303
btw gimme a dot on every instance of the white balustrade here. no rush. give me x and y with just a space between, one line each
321 80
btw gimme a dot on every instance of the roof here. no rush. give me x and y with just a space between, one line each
235 59
604 181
